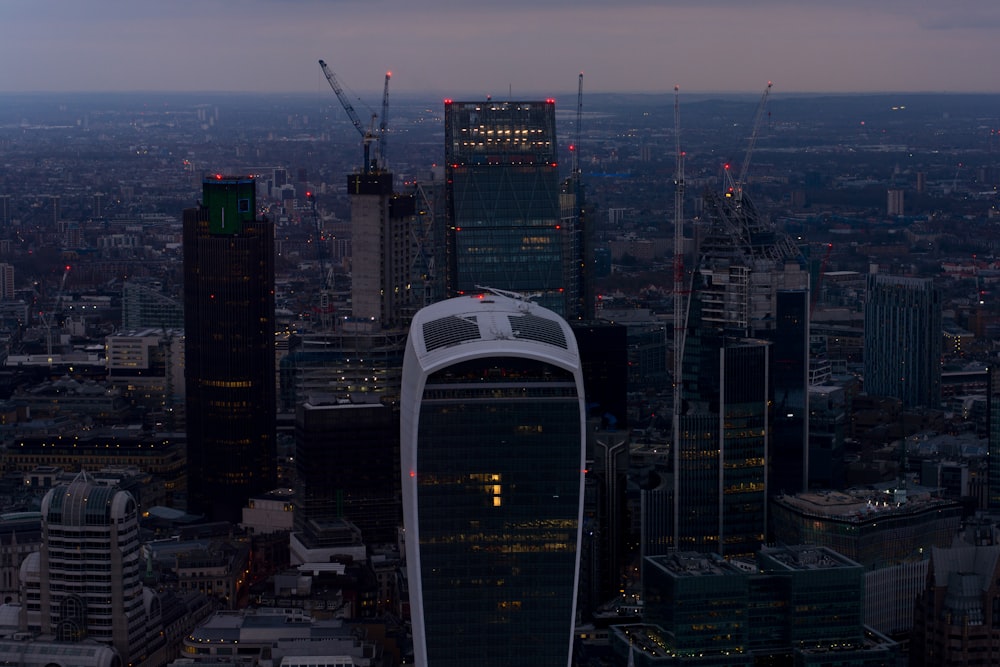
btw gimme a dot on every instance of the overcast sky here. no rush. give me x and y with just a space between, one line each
455 47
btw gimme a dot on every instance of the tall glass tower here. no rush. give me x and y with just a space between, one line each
492 439
506 228
903 340
229 349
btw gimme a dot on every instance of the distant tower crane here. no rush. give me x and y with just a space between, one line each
367 136
47 318
579 119
735 189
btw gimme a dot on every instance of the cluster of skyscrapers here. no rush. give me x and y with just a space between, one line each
472 428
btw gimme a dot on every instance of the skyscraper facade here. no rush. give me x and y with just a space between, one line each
229 349
492 439
748 291
506 227
903 340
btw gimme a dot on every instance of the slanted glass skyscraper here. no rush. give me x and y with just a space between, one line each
492 439
506 228
229 349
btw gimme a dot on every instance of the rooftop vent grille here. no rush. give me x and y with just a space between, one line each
538 329
449 330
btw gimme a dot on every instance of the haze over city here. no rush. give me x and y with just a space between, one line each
519 47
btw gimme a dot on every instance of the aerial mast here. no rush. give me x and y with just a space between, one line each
680 290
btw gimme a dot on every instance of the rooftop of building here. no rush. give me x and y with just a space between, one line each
863 505
647 640
694 564
496 318
264 625
807 557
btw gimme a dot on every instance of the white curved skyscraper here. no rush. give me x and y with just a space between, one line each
492 444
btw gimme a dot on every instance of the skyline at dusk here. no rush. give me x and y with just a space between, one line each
518 48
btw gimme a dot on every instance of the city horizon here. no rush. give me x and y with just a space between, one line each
632 46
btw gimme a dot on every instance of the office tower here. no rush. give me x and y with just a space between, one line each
749 288
788 456
7 282
90 570
229 349
720 457
506 226
381 250
492 473
827 433
903 340
347 464
5 213
147 366
603 348
993 421
894 202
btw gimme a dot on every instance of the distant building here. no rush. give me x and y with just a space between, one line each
903 340
148 367
20 536
6 282
229 349
894 202
144 305
493 476
281 635
93 450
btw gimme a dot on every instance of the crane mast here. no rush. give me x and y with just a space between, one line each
47 319
383 126
579 119
367 136
679 288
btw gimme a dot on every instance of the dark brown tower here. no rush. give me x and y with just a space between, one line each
229 349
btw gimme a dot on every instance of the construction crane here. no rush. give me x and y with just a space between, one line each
383 126
679 287
367 136
579 119
47 317
735 188
325 307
